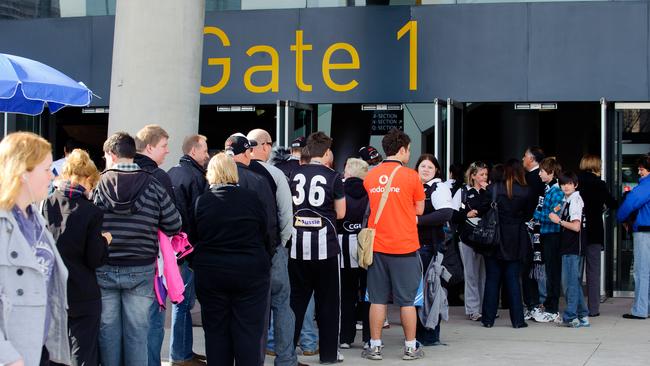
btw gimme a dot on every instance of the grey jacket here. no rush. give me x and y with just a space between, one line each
23 299
435 306
284 202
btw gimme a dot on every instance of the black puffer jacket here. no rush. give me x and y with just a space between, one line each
596 196
189 181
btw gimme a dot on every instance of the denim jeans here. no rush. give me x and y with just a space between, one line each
572 286
309 332
641 306
127 295
156 333
180 343
283 321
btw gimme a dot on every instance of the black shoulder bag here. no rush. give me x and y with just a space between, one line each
485 235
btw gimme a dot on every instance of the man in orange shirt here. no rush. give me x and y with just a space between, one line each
396 267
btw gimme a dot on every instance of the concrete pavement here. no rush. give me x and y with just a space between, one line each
611 340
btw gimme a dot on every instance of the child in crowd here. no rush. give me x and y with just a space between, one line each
550 238
572 223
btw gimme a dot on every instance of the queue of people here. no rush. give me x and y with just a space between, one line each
78 274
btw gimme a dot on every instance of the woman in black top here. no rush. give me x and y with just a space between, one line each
503 263
232 263
437 212
76 223
596 196
469 200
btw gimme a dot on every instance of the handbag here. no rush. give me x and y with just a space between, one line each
366 236
486 234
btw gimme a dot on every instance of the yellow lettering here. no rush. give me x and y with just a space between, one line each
327 66
218 61
412 28
273 85
299 47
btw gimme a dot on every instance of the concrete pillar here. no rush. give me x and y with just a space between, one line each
156 74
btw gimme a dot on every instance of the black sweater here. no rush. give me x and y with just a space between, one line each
231 229
596 196
76 225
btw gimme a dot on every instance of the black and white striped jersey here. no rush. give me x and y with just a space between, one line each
314 188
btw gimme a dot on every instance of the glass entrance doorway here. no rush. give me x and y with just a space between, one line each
631 132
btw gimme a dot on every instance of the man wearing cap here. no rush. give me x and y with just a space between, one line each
293 161
371 156
241 150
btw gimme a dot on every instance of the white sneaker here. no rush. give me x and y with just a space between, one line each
345 345
531 314
528 314
544 317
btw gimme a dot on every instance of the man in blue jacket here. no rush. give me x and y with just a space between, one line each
638 201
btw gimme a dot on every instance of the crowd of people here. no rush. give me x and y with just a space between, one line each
85 268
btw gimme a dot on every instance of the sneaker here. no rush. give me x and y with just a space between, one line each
339 359
544 317
475 317
413 353
574 323
528 314
386 324
373 353
366 345
345 345
584 321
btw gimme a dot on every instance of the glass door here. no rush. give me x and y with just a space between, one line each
631 132
294 119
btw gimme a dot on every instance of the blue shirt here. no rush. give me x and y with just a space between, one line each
552 203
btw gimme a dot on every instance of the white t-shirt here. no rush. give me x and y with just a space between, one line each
441 197
576 205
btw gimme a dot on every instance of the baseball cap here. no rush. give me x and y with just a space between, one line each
298 143
368 153
238 143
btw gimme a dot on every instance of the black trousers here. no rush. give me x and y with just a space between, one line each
363 306
553 263
234 309
499 272
529 285
83 328
592 256
349 301
320 277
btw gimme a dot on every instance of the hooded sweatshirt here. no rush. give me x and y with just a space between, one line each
135 207
356 203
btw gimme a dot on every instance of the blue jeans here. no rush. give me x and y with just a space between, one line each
180 343
283 321
571 283
308 333
641 306
127 295
156 333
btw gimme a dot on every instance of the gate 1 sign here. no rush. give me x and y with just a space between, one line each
384 121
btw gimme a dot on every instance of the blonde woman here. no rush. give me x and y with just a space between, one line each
76 223
34 323
232 267
468 200
596 197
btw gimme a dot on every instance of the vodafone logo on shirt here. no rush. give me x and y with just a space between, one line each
383 180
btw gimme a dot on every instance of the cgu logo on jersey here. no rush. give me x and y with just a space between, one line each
308 222
352 227
383 180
